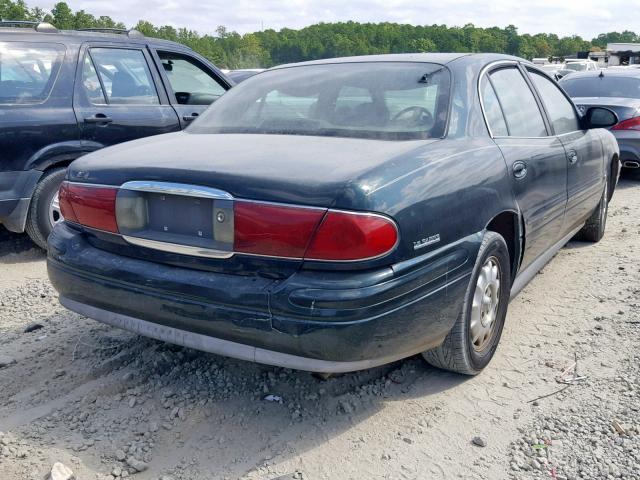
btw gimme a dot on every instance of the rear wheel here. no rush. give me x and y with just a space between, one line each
594 228
473 340
44 211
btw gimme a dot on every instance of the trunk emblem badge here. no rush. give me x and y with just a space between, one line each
425 242
220 217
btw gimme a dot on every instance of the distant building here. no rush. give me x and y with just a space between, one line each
623 54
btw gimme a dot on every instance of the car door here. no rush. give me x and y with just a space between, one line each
192 83
116 96
535 158
585 168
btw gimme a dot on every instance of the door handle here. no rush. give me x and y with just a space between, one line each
98 118
572 155
190 118
519 170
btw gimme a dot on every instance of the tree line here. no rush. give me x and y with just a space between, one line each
325 40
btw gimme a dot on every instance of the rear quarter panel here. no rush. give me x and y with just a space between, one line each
448 190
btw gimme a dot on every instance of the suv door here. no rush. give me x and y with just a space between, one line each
116 98
535 159
192 84
585 168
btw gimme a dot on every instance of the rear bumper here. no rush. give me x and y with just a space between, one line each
16 189
629 143
315 321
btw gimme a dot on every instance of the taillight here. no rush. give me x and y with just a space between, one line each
65 203
211 227
288 231
93 207
272 229
348 236
629 124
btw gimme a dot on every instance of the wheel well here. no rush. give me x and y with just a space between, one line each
61 163
507 224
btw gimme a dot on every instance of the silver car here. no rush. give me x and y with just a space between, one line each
618 90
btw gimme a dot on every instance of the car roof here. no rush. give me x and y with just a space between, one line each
439 58
607 72
81 36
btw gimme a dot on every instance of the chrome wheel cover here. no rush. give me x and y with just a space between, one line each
486 300
55 215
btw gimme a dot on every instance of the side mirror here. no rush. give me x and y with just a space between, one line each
599 117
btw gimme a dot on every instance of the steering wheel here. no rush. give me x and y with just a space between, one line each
420 116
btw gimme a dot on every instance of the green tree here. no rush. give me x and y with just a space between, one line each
63 17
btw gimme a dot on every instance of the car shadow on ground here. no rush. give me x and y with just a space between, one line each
14 243
212 409
629 180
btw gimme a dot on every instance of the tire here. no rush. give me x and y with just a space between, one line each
39 224
459 353
594 228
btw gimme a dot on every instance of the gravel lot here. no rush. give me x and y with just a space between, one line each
108 404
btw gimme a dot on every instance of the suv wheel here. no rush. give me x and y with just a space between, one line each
44 211
473 340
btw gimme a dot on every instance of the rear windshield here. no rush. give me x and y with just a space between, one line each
575 66
606 86
379 100
28 71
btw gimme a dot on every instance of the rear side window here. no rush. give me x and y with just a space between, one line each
518 104
561 113
28 71
492 110
122 75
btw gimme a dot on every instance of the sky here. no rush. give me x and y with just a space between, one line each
586 18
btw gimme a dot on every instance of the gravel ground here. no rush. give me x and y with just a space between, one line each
79 396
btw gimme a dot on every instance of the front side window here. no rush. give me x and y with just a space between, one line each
382 100
191 83
520 109
561 113
28 71
124 77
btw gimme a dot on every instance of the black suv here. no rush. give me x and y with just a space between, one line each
67 93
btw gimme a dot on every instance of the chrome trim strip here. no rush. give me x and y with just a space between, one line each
225 347
177 248
91 185
528 273
484 72
183 189
279 204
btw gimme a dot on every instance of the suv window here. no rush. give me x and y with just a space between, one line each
492 110
192 84
518 104
28 71
91 83
560 111
123 77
